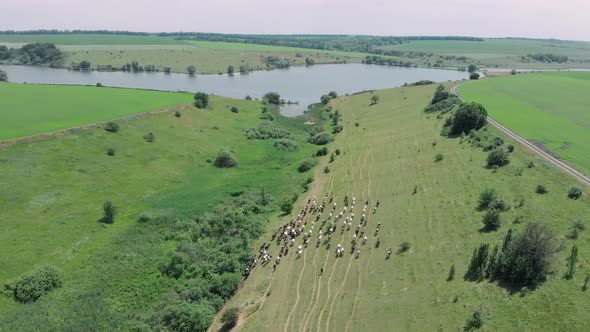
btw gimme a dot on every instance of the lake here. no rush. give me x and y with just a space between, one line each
302 84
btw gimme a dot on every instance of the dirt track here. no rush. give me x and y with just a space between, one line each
566 168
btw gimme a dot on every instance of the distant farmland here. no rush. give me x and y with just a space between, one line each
547 108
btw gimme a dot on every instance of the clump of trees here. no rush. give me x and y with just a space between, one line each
191 70
30 286
309 62
112 127
442 101
273 98
272 62
524 259
3 76
266 130
225 159
548 57
201 100
230 70
497 158
33 54
574 192
286 145
307 164
469 116
321 138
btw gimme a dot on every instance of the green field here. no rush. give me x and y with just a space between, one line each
503 53
91 39
388 157
550 109
27 110
52 192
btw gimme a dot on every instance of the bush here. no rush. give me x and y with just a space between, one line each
234 109
491 220
337 128
149 137
267 116
327 169
144 217
451 273
266 130
188 317
474 323
286 145
374 100
286 206
30 286
321 138
469 116
307 164
510 148
225 159
497 157
230 317
541 189
499 205
322 152
111 127
111 152
325 99
486 198
177 114
443 106
201 100
272 98
438 157
337 151
527 258
405 246
574 192
474 76
109 211
99 85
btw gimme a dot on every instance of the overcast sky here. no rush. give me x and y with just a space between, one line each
563 19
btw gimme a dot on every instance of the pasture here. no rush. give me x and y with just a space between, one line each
390 157
27 109
52 192
550 109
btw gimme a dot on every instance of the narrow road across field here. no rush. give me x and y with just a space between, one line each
566 168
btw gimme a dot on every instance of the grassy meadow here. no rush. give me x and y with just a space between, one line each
390 157
52 192
550 109
28 109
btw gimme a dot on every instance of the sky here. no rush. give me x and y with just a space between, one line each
563 19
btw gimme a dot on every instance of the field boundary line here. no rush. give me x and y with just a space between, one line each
73 130
560 164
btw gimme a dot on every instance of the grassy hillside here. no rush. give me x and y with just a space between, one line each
390 157
52 192
27 110
547 108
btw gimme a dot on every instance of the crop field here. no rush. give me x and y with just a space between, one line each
550 109
27 110
390 156
52 193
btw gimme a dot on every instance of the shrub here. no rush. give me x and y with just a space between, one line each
374 100
266 130
443 106
322 152
230 317
144 217
491 220
30 286
201 100
267 116
486 198
451 273
111 127
405 246
337 129
541 189
574 192
325 99
109 211
438 157
499 205
510 148
111 152
99 85
272 98
307 164
286 206
528 257
177 114
474 323
286 145
497 157
337 151
585 286
321 138
234 109
468 116
439 95
327 169
332 157
149 137
191 70
474 76
188 316
225 159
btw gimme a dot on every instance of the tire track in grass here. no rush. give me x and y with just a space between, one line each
313 289
294 307
260 302
335 297
317 296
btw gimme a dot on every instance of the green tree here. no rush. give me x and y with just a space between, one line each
374 100
491 220
191 70
272 98
451 273
85 65
225 159
109 211
230 317
201 100
472 68
497 157
309 61
167 70
469 116
188 316
486 198
230 70
476 269
474 76
3 76
325 99
440 94
333 94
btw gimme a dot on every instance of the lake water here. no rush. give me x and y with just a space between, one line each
302 84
